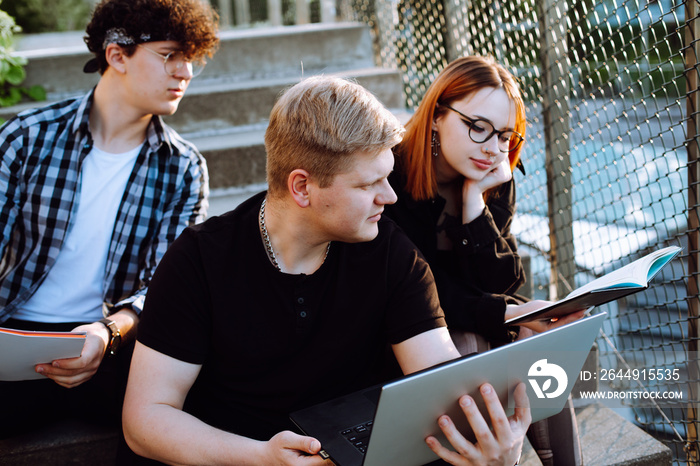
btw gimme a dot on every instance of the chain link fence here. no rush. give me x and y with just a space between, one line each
611 160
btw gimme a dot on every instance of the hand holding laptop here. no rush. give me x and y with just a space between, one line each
501 446
424 414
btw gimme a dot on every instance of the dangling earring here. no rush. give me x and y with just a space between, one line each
435 144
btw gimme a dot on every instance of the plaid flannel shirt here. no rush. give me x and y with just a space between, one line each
41 152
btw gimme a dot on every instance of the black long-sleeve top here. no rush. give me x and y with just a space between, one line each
482 273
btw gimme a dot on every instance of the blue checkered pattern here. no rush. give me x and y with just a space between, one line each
42 152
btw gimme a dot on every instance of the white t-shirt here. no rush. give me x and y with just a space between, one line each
73 289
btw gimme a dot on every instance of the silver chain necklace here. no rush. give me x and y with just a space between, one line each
268 244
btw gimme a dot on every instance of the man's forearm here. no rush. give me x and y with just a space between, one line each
171 436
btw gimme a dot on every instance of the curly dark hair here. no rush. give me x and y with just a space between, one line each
192 23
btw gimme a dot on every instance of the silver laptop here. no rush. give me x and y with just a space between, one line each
387 424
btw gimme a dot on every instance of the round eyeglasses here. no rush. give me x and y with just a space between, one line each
174 62
481 131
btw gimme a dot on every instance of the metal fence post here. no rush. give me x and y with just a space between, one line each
387 19
458 40
555 110
692 50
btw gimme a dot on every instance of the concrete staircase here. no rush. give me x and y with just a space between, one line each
226 108
225 114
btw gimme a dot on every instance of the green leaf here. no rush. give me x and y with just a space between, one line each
13 96
4 69
36 92
16 60
12 72
15 75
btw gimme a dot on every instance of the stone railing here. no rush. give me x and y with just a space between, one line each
240 10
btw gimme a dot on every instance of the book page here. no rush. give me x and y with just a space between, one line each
619 283
634 275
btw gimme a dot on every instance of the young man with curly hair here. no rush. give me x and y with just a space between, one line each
94 190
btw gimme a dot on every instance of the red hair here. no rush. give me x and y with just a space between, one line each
459 79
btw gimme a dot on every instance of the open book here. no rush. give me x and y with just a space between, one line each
21 350
624 281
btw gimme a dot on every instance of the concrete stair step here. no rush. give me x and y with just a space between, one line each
217 105
608 439
267 52
64 443
222 104
222 200
56 60
236 155
226 109
235 158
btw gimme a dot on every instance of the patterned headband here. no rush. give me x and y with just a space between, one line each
119 36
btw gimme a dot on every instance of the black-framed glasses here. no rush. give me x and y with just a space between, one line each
481 131
175 60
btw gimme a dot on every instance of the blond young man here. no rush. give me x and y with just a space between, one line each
292 298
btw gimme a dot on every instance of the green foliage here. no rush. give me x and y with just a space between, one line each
49 15
12 72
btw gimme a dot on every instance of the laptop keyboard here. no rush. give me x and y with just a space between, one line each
358 435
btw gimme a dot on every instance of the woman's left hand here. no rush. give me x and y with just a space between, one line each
539 326
473 190
500 174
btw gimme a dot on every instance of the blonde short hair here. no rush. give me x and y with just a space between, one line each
318 124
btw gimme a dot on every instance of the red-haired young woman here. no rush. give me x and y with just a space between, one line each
456 199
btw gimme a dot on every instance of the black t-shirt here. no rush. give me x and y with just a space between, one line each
269 342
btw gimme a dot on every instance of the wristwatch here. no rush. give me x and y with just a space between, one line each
116 336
